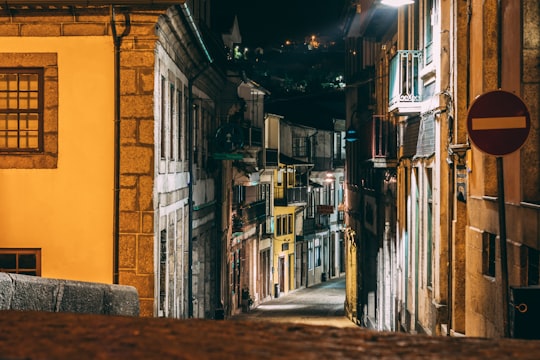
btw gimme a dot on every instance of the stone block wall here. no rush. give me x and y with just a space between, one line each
23 292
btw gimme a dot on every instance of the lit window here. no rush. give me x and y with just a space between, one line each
21 109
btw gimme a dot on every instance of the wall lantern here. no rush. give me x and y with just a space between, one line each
397 3
351 135
329 177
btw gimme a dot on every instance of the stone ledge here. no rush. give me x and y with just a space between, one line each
22 292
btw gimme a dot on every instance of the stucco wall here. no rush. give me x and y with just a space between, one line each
67 210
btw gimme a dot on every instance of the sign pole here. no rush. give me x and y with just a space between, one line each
498 124
502 239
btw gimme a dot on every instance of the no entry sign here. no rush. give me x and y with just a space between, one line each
498 122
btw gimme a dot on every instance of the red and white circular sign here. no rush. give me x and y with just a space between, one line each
498 122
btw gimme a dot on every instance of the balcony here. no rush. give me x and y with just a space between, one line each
252 136
378 141
311 226
404 84
295 196
248 214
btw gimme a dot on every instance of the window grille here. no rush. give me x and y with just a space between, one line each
21 109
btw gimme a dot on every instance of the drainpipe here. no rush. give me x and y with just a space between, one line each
450 225
117 40
190 187
191 81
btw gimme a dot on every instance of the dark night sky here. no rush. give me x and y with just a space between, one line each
271 22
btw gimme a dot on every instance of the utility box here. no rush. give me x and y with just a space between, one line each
524 312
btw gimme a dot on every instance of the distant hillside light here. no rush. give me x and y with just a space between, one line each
397 3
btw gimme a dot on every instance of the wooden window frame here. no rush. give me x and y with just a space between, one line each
47 156
18 94
489 246
18 253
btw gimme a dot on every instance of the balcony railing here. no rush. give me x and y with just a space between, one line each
290 196
247 214
311 226
404 85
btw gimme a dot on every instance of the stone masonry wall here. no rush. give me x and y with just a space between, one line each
23 292
136 220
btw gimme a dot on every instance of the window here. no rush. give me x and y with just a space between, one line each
162 271
429 219
20 102
488 253
172 92
196 113
21 261
317 252
310 255
290 177
21 109
179 124
429 11
163 147
311 205
290 224
299 147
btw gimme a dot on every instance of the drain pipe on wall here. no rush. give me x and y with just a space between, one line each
190 108
190 105
117 40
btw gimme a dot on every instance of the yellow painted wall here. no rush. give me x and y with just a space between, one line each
278 241
68 211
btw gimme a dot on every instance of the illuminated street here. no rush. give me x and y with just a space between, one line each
321 304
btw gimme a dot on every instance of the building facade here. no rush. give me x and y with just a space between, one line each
113 137
443 269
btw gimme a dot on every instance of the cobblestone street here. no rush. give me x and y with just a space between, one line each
45 335
322 304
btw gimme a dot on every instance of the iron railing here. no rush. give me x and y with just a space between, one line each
252 136
404 86
247 214
290 196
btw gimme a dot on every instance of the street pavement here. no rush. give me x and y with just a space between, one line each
321 304
31 335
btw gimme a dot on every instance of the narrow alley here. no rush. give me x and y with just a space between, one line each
321 304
